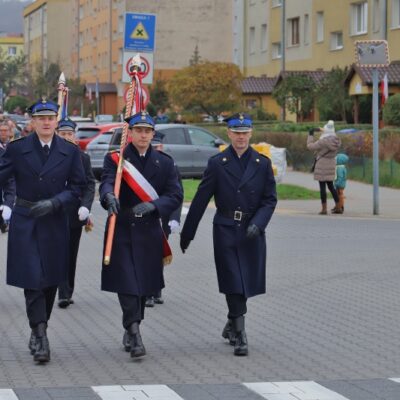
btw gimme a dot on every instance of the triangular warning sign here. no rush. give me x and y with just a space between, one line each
139 32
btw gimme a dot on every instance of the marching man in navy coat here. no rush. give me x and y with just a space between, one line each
48 176
136 267
243 185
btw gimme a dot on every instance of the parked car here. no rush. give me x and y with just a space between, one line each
86 133
98 148
190 146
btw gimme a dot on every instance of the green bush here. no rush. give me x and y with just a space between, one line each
391 110
16 101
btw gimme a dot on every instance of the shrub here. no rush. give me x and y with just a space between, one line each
391 110
14 102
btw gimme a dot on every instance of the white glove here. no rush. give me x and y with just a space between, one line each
83 213
174 225
6 212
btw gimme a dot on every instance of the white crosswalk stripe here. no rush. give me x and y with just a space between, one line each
397 380
298 390
7 394
136 392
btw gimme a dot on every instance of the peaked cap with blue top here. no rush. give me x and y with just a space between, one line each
140 119
239 122
66 124
43 107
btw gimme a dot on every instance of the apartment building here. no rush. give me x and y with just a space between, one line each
97 52
318 34
47 34
11 46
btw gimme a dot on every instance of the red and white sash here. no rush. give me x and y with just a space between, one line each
143 189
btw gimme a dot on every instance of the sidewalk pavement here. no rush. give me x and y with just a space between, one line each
358 198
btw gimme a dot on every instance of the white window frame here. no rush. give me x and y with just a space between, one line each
376 16
12 51
276 3
395 23
264 37
335 43
276 50
291 24
306 29
359 18
252 40
320 26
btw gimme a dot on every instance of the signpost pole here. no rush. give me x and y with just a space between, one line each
375 154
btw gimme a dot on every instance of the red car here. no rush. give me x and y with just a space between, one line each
85 134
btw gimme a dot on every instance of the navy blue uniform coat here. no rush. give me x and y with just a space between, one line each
240 262
136 259
38 247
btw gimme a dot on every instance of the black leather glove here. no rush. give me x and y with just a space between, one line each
313 130
184 243
252 231
111 203
44 207
143 209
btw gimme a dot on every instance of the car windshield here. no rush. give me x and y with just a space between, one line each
86 133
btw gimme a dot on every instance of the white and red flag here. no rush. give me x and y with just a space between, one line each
384 89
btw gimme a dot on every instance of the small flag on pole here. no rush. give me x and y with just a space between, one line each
384 89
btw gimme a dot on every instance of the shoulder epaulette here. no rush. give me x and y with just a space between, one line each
165 154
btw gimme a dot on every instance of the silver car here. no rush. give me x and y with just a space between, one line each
190 146
97 149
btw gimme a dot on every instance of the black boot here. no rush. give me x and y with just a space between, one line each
126 342
228 333
241 348
32 343
137 348
149 301
42 351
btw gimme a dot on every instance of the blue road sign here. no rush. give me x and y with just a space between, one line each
140 30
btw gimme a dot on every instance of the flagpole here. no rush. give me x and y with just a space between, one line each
135 71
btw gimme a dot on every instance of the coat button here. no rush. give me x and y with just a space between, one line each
133 224
40 179
238 191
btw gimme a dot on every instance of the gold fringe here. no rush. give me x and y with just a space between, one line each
167 260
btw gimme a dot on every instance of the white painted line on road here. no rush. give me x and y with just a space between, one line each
136 392
301 390
397 380
7 394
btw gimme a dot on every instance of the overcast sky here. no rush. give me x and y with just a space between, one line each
11 19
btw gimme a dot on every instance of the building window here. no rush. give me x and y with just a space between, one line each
306 29
251 103
276 50
359 13
320 27
336 40
252 40
294 35
12 51
396 14
276 3
376 17
264 37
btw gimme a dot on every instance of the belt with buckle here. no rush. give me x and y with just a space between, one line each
24 203
236 215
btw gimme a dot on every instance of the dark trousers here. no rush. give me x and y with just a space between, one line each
39 304
132 308
322 191
237 305
66 289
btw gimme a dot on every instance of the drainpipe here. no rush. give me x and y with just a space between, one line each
283 48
